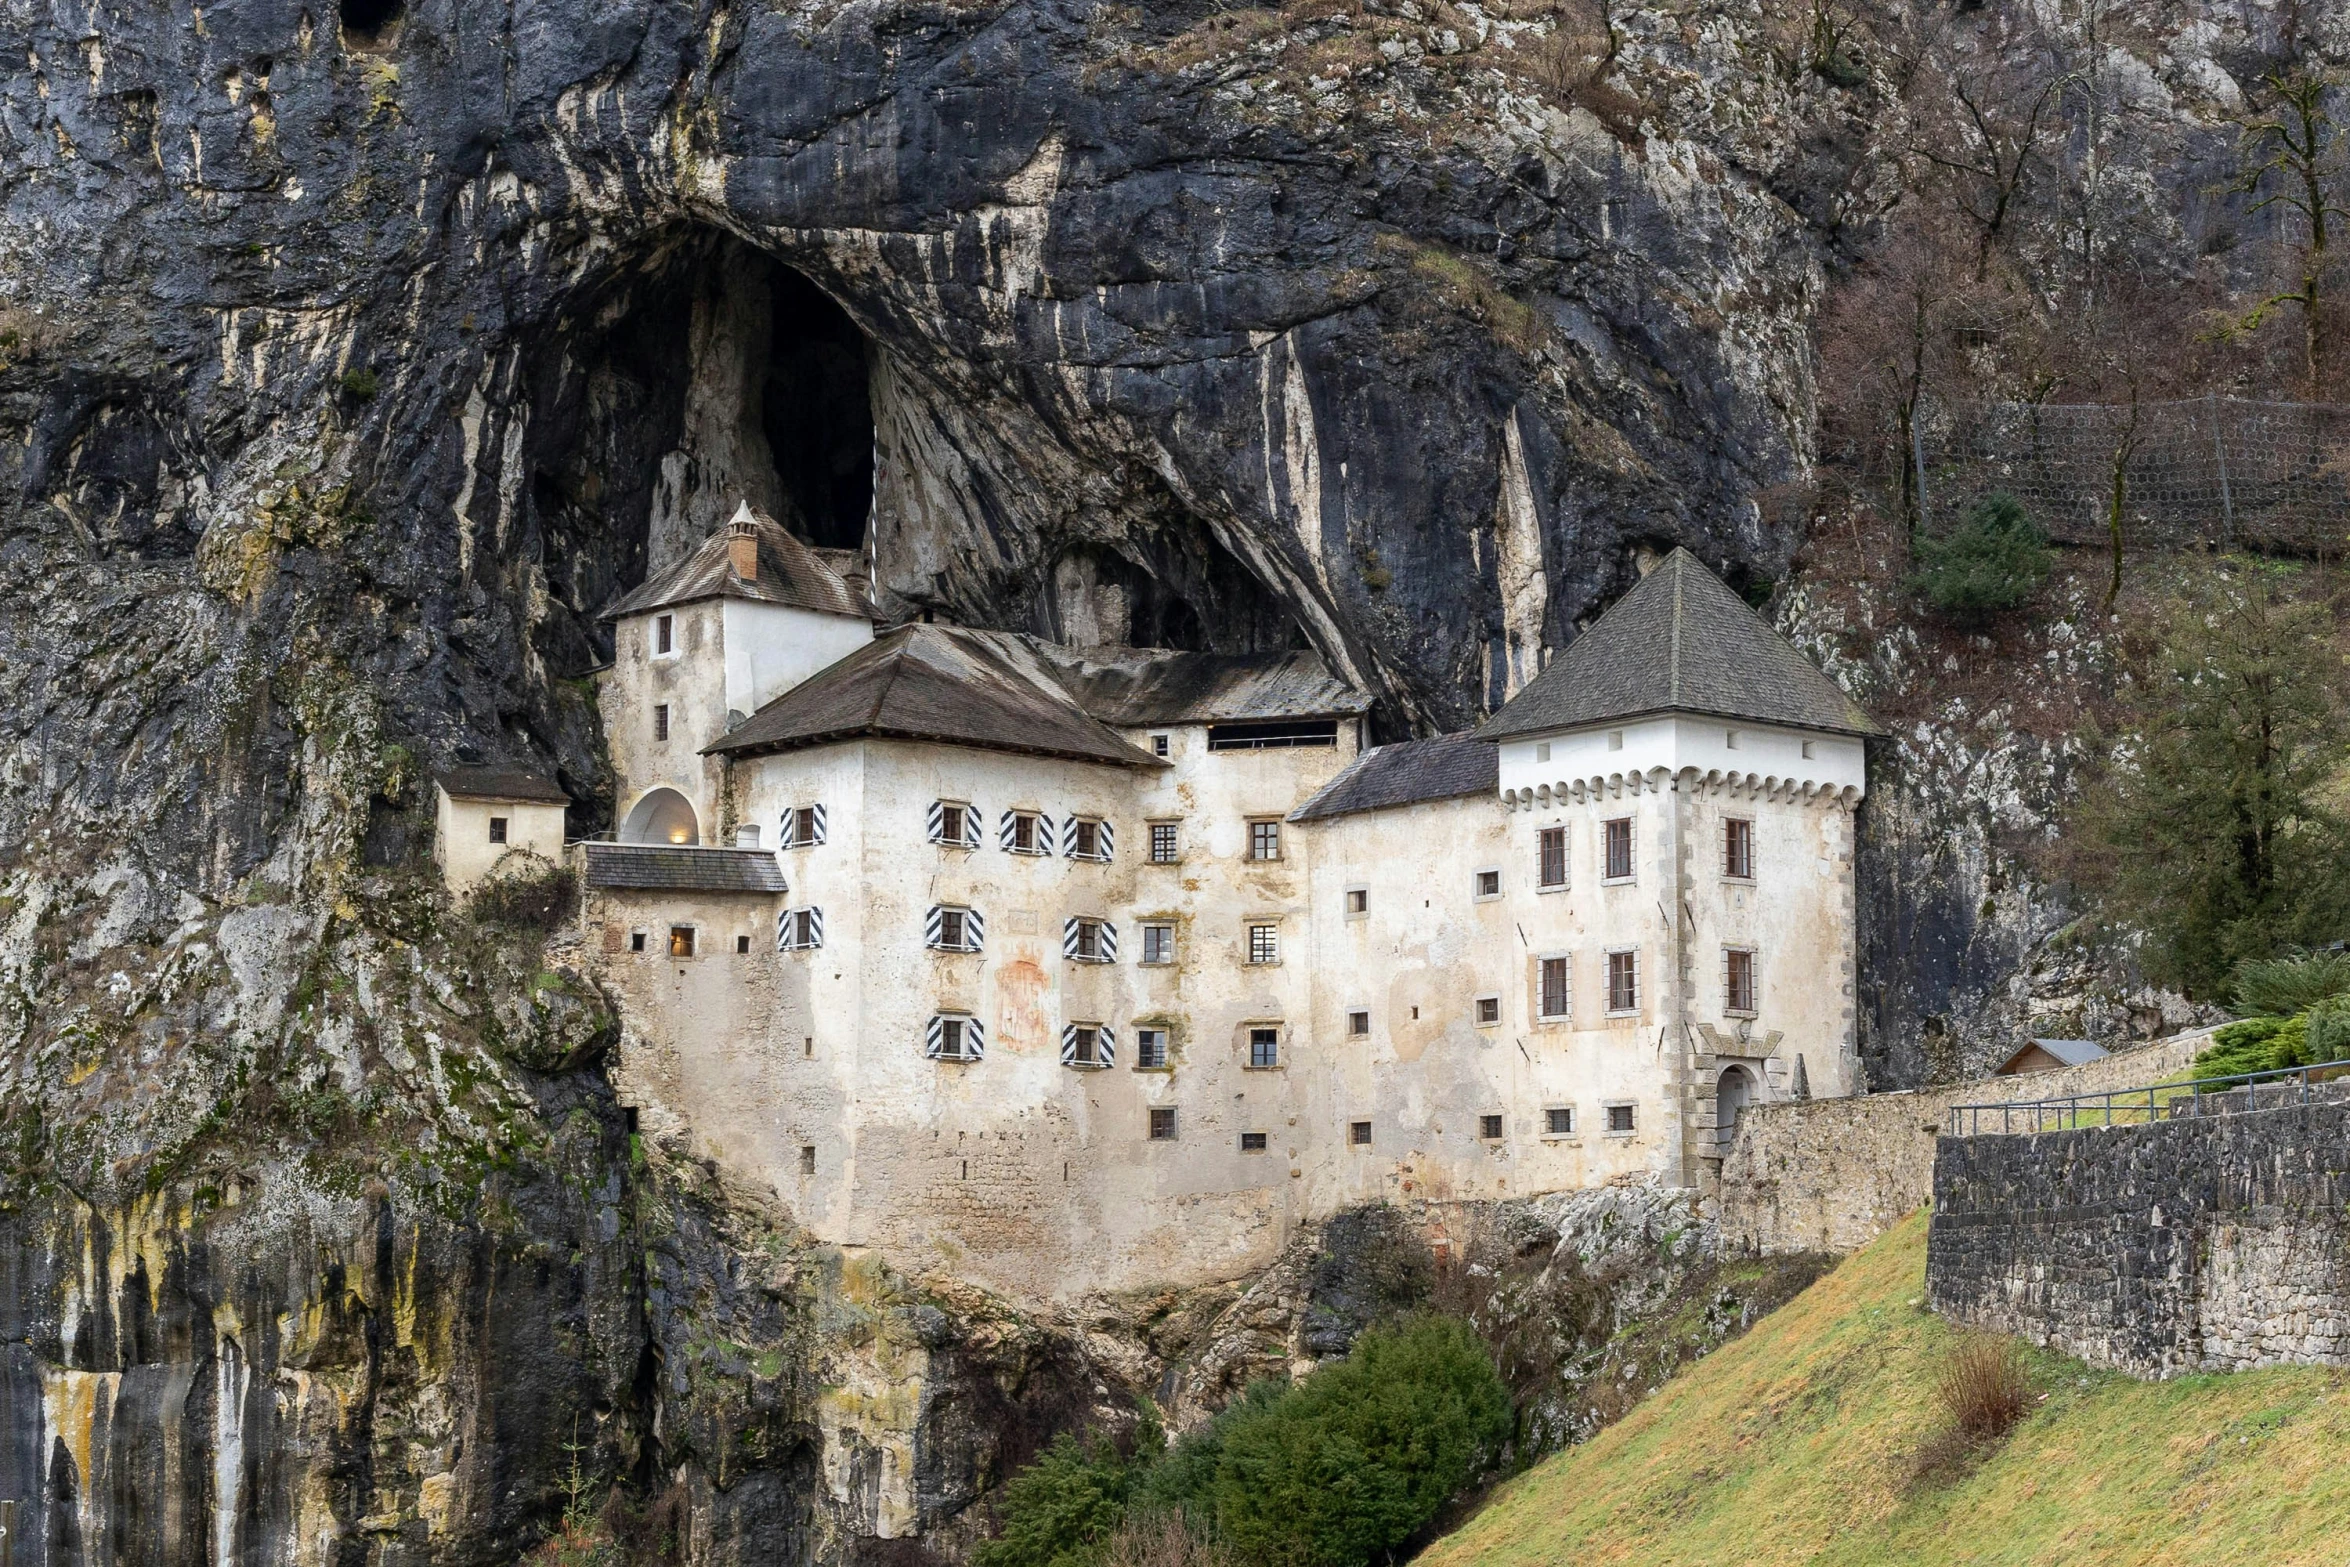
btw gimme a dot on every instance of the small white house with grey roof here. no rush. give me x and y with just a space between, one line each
1076 969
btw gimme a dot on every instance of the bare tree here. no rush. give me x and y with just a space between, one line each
2290 156
1986 136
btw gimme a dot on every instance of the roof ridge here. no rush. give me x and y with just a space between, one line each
1673 648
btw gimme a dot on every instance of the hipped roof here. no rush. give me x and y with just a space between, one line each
789 573
1140 686
1679 642
1447 767
500 783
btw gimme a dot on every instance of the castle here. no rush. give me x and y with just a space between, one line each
1079 970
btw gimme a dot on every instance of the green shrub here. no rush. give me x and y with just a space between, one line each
1990 563
2257 1044
2281 987
2328 1028
1058 1510
360 385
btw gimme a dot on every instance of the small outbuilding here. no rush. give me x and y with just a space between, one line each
484 818
2046 1055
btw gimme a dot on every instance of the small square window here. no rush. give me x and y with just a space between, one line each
1158 945
664 633
636 941
1252 1142
1615 739
1738 848
1150 1049
1488 885
1729 739
1358 1133
1358 902
1551 858
1166 847
1264 1047
1358 1025
1161 744
497 829
1807 751
1264 943
1264 840
1623 982
1558 1121
742 944
661 721
1162 1123
1619 1119
1489 1128
1542 750
807 1158
1619 848
1488 1011
681 941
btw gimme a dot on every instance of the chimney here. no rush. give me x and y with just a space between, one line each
742 548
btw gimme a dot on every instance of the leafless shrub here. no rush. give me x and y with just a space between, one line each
535 899
1984 1386
26 336
1158 1539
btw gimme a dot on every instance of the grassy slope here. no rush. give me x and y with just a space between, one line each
1795 1444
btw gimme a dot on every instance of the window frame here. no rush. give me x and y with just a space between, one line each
1731 1004
1631 1109
1542 997
966 817
665 636
1632 1006
1543 837
1104 943
1271 1058
684 940
1040 832
1492 1128
1157 933
971 929
1173 829
1358 1133
1264 829
1730 833
660 723
1359 891
1162 1124
1608 874
498 832
1074 829
1262 1142
970 1038
1477 892
1356 1015
1550 1126
1478 1006
1144 1034
1270 931
800 929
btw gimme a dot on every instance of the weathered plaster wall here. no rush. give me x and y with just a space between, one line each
1832 1175
2206 1243
461 838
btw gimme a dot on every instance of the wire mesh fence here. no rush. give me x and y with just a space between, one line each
2208 471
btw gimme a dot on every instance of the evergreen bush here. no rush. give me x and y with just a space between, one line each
2257 1044
1989 564
2282 987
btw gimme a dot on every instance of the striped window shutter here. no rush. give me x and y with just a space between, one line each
1069 937
819 824
1003 832
974 931
783 837
937 828
934 928
1105 1046
1044 833
1109 942
1068 1044
783 931
815 924
934 1043
1068 837
1106 840
974 1039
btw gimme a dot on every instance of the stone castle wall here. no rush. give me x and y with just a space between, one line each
1833 1174
2216 1243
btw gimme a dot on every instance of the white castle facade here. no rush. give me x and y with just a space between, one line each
1074 971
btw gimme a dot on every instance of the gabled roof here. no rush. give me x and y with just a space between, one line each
789 573
989 689
1138 686
665 867
1679 642
1447 767
2066 1052
500 783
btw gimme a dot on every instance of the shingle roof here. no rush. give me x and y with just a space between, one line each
1680 641
789 573
1447 767
663 868
2072 1052
990 689
1136 686
500 783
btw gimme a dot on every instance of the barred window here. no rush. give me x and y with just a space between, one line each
1738 848
1619 849
1165 845
1623 982
1264 943
1162 1123
1358 1133
1558 1121
661 720
1252 1142
1619 1118
1489 1128
1552 856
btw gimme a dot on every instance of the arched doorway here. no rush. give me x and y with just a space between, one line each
1732 1095
662 816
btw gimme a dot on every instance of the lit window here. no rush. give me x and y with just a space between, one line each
1358 902
1488 1011
1264 943
1738 979
1162 1123
1150 1048
1165 846
1738 848
1623 982
661 721
1358 1133
663 632
1252 1142
1089 941
1158 944
1558 1121
1264 840
681 941
1557 992
1489 1128
1264 1047
1551 854
1358 1025
1488 884
1619 1119
497 829
1619 848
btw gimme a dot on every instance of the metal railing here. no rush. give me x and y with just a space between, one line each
2172 1101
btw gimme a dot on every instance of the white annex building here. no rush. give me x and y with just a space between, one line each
1075 970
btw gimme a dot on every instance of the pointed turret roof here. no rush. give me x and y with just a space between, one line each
1679 642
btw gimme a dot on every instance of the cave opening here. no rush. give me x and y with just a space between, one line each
367 23
816 411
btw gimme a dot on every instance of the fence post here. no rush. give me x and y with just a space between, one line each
2219 451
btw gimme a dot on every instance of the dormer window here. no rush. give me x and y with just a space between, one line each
664 634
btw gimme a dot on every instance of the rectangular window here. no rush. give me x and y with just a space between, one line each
1489 1128
953 1039
1150 1049
1273 735
1165 846
950 930
1623 982
1085 1045
1087 841
1264 1047
497 829
1158 944
661 721
1162 1123
1161 744
663 632
951 823
1551 855
1025 836
1488 885
803 827
1542 750
746 836
1358 1025
1358 902
1252 1142
1086 942
681 941
636 941
1558 1121
1557 992
1808 754
742 944
807 1159
1738 848
1488 1011
1619 1119
1358 1133
1619 849
1264 943
1738 979
1264 840
799 930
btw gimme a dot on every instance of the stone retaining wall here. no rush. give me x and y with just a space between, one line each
2215 1243
1833 1174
